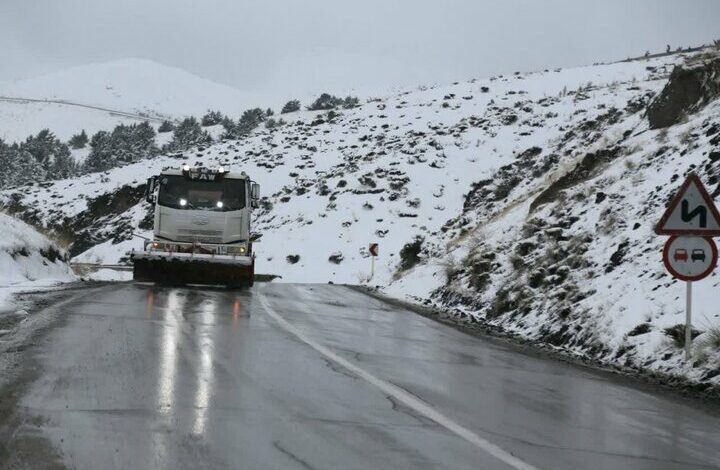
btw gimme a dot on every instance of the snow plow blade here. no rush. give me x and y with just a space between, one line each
180 270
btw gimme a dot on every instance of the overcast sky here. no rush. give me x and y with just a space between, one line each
288 47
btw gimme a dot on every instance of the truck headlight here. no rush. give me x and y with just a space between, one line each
237 250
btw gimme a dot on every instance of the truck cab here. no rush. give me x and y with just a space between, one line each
202 220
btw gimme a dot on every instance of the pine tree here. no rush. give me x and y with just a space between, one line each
143 141
63 166
26 168
325 102
290 107
248 122
350 102
51 154
187 134
79 141
6 162
212 118
101 155
166 126
42 146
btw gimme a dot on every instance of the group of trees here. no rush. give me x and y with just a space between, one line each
249 121
39 157
324 102
125 144
44 157
290 107
187 133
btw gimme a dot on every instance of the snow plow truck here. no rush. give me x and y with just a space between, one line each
201 232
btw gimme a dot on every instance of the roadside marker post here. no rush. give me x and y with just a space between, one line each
373 249
690 254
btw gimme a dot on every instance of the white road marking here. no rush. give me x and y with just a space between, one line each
401 395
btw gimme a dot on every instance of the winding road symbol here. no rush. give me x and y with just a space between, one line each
691 212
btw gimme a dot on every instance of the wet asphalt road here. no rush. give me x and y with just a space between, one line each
324 377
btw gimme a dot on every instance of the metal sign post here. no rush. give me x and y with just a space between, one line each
373 249
690 254
688 321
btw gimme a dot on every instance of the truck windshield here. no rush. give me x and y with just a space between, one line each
181 193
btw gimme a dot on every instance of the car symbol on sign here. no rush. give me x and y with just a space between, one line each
680 254
698 255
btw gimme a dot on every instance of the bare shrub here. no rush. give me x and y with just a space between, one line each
632 149
686 138
517 261
451 268
708 343
410 254
677 334
608 222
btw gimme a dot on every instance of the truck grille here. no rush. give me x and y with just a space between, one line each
199 233
208 236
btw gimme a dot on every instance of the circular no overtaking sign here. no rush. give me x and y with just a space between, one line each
690 258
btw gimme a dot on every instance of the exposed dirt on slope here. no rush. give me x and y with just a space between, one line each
690 88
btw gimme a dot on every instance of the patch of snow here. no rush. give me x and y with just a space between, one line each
28 260
140 88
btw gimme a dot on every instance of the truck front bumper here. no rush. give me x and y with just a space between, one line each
192 258
196 264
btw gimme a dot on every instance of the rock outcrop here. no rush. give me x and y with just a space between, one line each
691 87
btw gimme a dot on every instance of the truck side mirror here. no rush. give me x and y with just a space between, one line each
255 195
150 190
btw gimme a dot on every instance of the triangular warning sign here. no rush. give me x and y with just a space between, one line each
691 212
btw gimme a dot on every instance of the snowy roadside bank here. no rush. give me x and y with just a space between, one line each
34 274
29 261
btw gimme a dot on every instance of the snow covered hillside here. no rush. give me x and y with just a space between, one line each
100 96
28 260
524 201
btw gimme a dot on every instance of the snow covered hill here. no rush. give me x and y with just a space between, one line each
28 260
526 202
100 96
